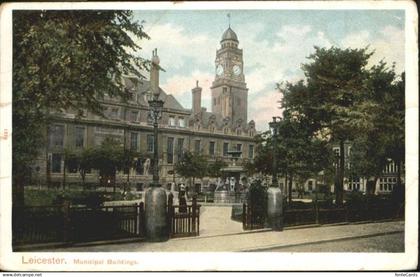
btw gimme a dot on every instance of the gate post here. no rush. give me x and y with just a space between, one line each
66 221
170 213
194 212
243 216
141 219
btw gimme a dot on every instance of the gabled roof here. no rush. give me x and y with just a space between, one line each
142 88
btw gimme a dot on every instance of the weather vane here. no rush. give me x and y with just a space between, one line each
228 15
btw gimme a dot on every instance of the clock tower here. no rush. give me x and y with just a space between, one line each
229 92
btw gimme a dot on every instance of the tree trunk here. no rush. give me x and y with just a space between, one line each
48 169
371 185
340 179
114 189
83 175
290 188
286 189
374 185
398 173
18 199
64 174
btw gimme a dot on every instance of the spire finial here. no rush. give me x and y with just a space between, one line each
228 15
196 83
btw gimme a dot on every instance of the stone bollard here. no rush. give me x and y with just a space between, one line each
156 215
275 208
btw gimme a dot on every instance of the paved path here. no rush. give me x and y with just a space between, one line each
256 241
216 220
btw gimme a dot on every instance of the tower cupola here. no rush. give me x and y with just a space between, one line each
229 39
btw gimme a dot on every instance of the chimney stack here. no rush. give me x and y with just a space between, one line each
154 74
196 99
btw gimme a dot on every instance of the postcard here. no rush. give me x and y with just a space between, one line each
198 136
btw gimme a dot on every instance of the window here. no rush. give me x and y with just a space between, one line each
211 148
114 113
310 185
239 147
381 186
150 143
56 163
179 148
172 121
225 148
336 151
251 151
79 136
133 116
181 122
170 151
56 136
197 146
134 141
214 101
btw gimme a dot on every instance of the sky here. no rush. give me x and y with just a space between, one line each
275 44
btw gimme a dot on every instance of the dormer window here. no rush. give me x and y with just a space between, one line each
181 122
134 116
172 121
113 113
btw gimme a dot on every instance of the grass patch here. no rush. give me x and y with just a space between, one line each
55 197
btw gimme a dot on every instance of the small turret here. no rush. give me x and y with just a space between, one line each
196 98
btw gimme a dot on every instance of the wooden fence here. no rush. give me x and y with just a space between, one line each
183 220
317 215
43 224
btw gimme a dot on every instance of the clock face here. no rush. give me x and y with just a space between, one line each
236 70
219 70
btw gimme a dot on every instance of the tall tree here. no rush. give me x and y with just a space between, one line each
192 166
107 159
383 138
61 60
335 83
214 169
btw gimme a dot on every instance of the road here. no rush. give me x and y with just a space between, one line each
381 243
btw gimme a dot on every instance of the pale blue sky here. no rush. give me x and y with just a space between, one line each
275 44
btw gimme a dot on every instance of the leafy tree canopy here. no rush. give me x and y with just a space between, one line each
192 165
67 59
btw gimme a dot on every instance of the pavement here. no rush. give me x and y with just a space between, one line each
310 239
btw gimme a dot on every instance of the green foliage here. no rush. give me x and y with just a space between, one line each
257 199
108 157
192 165
66 59
342 100
214 168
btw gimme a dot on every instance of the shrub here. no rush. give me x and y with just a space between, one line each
257 199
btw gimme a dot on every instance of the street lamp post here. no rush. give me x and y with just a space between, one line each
274 194
155 196
274 129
